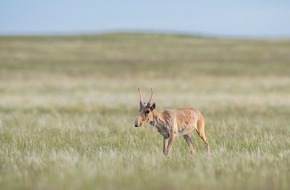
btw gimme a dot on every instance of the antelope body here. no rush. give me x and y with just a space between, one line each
172 123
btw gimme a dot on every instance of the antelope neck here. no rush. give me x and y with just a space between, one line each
156 119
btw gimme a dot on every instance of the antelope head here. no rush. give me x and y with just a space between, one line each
145 111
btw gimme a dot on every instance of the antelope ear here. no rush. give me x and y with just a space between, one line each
153 106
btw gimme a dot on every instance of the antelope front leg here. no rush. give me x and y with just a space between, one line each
170 142
165 144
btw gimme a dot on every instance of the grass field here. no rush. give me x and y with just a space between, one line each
68 105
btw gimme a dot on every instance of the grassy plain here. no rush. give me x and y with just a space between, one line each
68 104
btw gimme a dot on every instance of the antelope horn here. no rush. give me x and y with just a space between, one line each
141 98
150 99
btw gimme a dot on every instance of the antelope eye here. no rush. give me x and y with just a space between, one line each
147 111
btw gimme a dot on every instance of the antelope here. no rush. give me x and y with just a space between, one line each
172 123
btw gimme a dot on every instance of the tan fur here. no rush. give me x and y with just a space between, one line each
172 123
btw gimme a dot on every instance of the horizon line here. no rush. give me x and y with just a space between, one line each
137 31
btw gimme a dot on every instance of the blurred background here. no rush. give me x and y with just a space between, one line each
219 18
69 73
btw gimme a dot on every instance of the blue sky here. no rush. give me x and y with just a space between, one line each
254 18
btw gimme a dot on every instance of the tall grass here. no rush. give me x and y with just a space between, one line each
68 106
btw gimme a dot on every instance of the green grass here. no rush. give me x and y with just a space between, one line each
68 105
